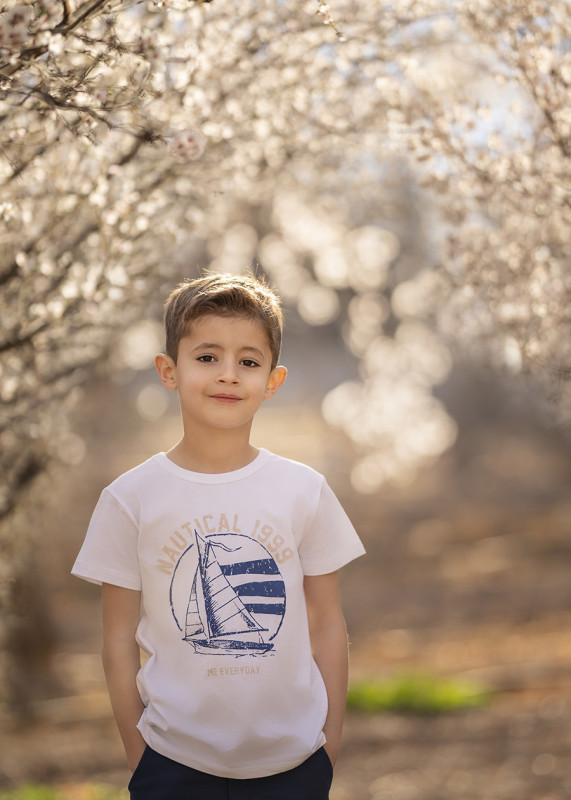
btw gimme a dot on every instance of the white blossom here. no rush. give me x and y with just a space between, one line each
15 27
57 44
186 145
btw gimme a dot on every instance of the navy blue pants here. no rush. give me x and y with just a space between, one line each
159 778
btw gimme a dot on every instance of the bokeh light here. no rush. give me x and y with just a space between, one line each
152 402
139 345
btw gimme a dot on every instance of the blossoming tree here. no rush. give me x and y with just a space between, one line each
400 168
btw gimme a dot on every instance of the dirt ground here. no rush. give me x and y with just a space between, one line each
467 574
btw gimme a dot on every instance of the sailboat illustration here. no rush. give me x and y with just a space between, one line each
217 621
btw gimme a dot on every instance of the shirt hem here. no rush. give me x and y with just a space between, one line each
332 566
251 772
105 576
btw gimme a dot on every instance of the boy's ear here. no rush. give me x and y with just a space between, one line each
167 371
277 377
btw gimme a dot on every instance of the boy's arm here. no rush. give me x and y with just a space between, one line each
121 662
328 634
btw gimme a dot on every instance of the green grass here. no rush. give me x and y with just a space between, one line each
84 791
415 693
29 793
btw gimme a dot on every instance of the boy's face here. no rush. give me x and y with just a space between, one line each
223 372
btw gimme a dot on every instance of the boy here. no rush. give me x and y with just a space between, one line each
219 561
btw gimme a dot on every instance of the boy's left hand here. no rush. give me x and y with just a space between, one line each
328 635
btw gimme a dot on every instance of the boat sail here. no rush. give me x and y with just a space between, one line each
217 621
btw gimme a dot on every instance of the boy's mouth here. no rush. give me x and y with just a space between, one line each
226 398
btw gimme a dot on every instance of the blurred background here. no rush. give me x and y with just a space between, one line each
400 173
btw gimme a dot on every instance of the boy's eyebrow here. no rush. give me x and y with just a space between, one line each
214 346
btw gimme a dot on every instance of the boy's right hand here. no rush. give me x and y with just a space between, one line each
136 753
121 662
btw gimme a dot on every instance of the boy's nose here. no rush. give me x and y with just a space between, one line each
228 373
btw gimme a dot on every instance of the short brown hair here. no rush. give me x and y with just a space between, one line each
225 295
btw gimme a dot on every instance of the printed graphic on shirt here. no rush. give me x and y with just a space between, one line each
227 596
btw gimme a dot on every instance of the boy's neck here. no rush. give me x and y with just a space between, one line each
214 455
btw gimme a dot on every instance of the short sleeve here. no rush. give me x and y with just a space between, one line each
330 540
109 553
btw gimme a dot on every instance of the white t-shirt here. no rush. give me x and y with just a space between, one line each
230 686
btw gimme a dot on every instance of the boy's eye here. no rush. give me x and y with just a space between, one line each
206 359
248 362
